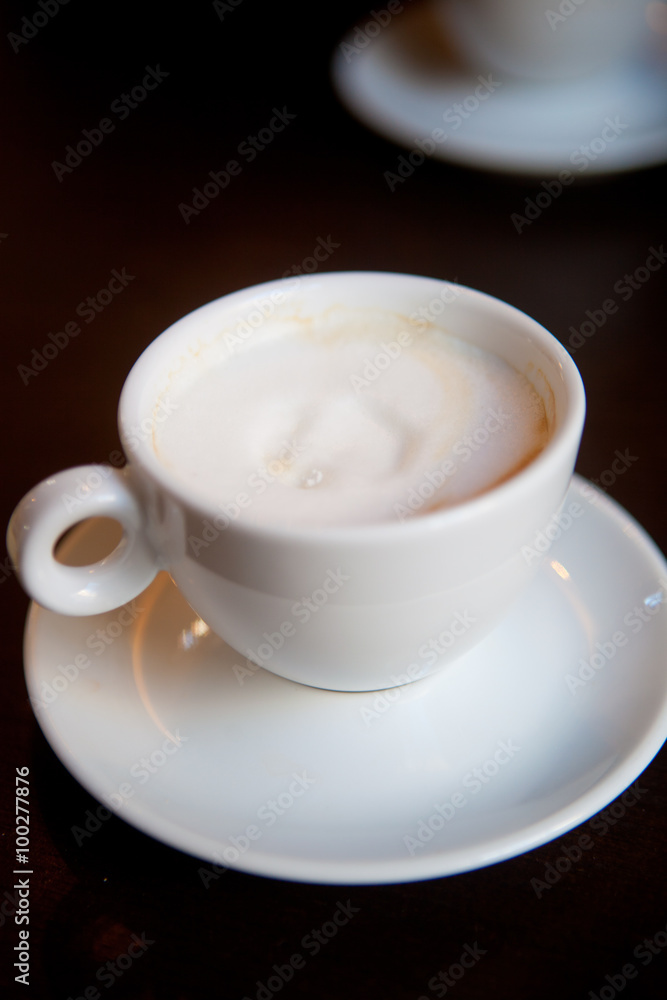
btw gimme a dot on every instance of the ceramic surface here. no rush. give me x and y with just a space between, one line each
407 84
526 736
341 607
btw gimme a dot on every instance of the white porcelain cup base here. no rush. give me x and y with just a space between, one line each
533 39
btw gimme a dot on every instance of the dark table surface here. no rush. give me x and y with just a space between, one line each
222 72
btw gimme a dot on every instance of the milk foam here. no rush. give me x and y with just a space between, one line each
361 426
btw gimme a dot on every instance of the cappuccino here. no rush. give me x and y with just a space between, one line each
358 420
278 437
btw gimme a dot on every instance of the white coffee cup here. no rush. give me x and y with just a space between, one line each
378 592
545 39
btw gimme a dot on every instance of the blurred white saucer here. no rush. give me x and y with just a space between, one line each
404 80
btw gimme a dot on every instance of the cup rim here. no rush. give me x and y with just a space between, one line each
559 446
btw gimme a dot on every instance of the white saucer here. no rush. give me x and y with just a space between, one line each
352 775
407 78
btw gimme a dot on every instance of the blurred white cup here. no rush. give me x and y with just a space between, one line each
546 39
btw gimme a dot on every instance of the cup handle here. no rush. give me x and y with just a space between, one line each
60 502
